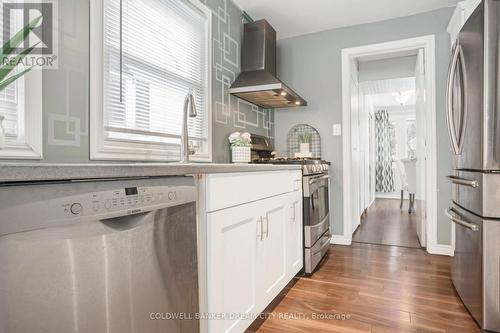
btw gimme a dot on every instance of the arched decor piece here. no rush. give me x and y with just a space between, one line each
303 130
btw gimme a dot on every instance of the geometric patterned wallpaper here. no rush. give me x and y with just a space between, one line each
229 112
67 118
226 50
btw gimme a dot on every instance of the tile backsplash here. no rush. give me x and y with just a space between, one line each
66 90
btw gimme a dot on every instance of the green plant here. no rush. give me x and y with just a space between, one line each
238 139
9 61
305 138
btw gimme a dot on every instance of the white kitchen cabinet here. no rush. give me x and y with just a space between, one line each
253 249
271 249
232 264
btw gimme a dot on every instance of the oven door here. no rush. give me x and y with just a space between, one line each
316 207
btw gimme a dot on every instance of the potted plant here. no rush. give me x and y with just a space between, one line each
240 147
305 142
10 60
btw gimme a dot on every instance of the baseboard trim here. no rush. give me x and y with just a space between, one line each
341 240
442 250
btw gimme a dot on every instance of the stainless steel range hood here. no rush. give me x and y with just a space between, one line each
257 82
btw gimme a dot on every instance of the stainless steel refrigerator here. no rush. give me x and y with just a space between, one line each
473 109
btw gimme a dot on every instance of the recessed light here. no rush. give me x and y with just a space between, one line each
297 102
283 93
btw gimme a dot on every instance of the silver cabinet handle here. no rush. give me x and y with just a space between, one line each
463 181
449 213
292 213
267 225
261 235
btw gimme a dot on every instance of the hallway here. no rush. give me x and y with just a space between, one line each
386 224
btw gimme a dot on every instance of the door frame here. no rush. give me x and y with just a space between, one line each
348 56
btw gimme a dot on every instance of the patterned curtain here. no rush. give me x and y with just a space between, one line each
384 142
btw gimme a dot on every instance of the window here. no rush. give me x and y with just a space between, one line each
21 108
11 108
150 55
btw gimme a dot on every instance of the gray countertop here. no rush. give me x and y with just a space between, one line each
15 172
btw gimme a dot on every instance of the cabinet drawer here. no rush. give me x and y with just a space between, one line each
232 189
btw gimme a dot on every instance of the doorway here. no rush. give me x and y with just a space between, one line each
372 177
387 94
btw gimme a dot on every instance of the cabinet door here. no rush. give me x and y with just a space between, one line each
294 241
231 257
271 251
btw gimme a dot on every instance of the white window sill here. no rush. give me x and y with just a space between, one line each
140 154
22 152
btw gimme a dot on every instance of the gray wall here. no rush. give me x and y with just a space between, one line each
311 64
384 69
66 90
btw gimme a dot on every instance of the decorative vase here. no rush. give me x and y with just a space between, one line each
241 154
2 133
304 147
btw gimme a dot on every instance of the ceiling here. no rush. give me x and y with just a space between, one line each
390 93
298 17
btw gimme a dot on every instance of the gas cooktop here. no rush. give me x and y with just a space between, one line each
310 166
287 160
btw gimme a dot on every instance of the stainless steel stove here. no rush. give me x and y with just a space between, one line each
310 166
316 202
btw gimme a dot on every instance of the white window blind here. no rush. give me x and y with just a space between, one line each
155 53
12 97
10 110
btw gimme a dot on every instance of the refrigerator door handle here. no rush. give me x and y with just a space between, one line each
457 54
463 181
463 107
449 213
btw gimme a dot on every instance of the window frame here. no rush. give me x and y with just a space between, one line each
102 149
32 146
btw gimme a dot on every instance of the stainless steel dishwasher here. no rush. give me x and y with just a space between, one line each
100 256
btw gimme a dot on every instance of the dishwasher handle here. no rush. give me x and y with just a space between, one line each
463 181
449 213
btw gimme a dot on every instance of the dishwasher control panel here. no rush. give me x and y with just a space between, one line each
133 199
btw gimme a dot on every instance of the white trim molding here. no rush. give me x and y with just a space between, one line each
30 125
427 43
443 250
341 240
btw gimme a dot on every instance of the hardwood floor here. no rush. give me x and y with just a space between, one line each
376 289
385 223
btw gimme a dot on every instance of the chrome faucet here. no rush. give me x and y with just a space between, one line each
189 105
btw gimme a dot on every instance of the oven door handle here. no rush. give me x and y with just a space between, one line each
312 181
